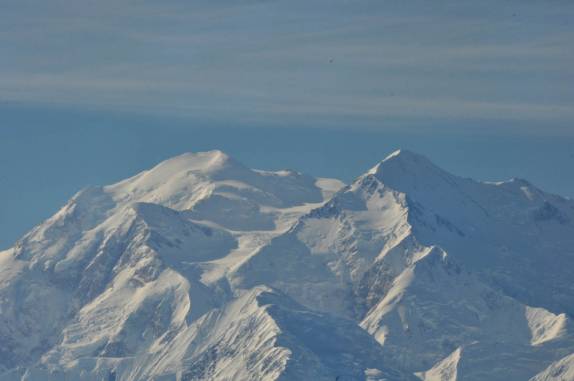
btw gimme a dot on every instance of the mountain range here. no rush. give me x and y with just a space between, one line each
204 269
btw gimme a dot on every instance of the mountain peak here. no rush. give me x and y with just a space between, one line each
180 169
403 154
403 163
200 161
407 156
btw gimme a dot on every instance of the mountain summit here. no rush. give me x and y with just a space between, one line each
204 269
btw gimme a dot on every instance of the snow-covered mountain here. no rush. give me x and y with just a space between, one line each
204 269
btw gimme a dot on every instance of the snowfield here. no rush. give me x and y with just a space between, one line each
203 269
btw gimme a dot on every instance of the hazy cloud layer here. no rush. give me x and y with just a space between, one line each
296 62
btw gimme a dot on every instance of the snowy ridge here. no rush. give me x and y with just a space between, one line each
204 269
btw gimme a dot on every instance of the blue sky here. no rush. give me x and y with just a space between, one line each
91 91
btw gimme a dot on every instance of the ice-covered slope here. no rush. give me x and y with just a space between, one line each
435 309
204 269
511 231
562 370
430 262
260 335
119 266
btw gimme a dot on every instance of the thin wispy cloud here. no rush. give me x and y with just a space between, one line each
305 61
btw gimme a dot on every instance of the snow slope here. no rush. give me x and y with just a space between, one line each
429 262
562 370
204 269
